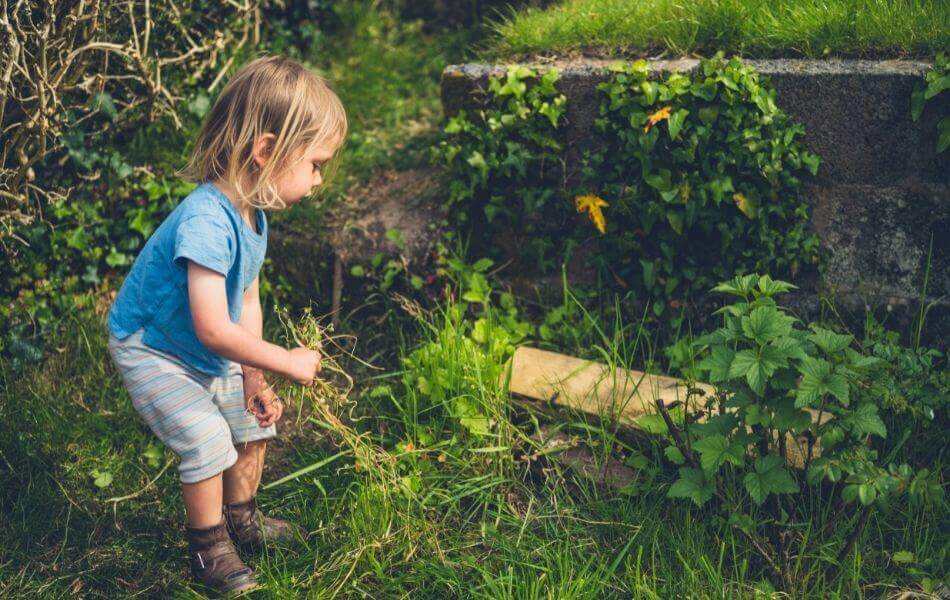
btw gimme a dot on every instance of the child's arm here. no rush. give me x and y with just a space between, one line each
209 313
258 395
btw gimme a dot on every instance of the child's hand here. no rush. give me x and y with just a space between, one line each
304 365
260 399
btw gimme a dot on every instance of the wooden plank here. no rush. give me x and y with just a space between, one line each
592 387
596 389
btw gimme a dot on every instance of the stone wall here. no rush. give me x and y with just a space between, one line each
881 193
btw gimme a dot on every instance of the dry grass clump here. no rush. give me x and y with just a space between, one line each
329 397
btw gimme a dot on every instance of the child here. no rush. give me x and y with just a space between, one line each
186 326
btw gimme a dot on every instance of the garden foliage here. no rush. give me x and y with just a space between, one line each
936 82
692 177
786 395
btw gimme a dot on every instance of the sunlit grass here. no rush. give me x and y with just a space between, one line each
476 525
763 28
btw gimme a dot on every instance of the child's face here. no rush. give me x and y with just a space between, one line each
305 174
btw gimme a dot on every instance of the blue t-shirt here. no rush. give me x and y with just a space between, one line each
207 229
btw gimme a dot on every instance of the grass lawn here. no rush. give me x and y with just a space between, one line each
757 28
90 504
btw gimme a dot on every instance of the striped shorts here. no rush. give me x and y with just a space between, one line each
201 417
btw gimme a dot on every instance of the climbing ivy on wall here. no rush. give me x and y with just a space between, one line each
692 177
505 159
702 173
935 83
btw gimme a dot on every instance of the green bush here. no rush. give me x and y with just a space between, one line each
503 161
785 394
709 180
692 178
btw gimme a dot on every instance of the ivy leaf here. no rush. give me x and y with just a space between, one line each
864 420
676 222
709 114
676 122
811 162
716 450
769 477
719 186
692 484
748 206
592 206
513 85
819 378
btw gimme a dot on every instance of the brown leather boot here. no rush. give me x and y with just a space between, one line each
250 528
215 562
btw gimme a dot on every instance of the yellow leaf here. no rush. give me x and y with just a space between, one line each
660 115
749 207
592 205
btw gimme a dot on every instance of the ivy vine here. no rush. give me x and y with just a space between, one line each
702 172
691 178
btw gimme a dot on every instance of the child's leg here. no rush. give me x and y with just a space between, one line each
179 408
248 526
203 501
243 478
250 439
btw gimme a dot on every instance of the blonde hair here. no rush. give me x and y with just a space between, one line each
275 95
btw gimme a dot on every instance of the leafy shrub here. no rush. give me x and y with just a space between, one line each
702 173
504 162
692 178
786 394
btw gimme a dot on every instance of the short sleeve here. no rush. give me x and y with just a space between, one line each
206 240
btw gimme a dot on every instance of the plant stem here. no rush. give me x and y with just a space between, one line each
854 535
676 435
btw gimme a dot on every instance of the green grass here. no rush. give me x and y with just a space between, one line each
475 524
759 28
386 72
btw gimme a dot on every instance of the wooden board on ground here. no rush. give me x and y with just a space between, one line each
592 387
599 390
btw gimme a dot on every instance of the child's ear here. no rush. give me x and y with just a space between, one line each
263 146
